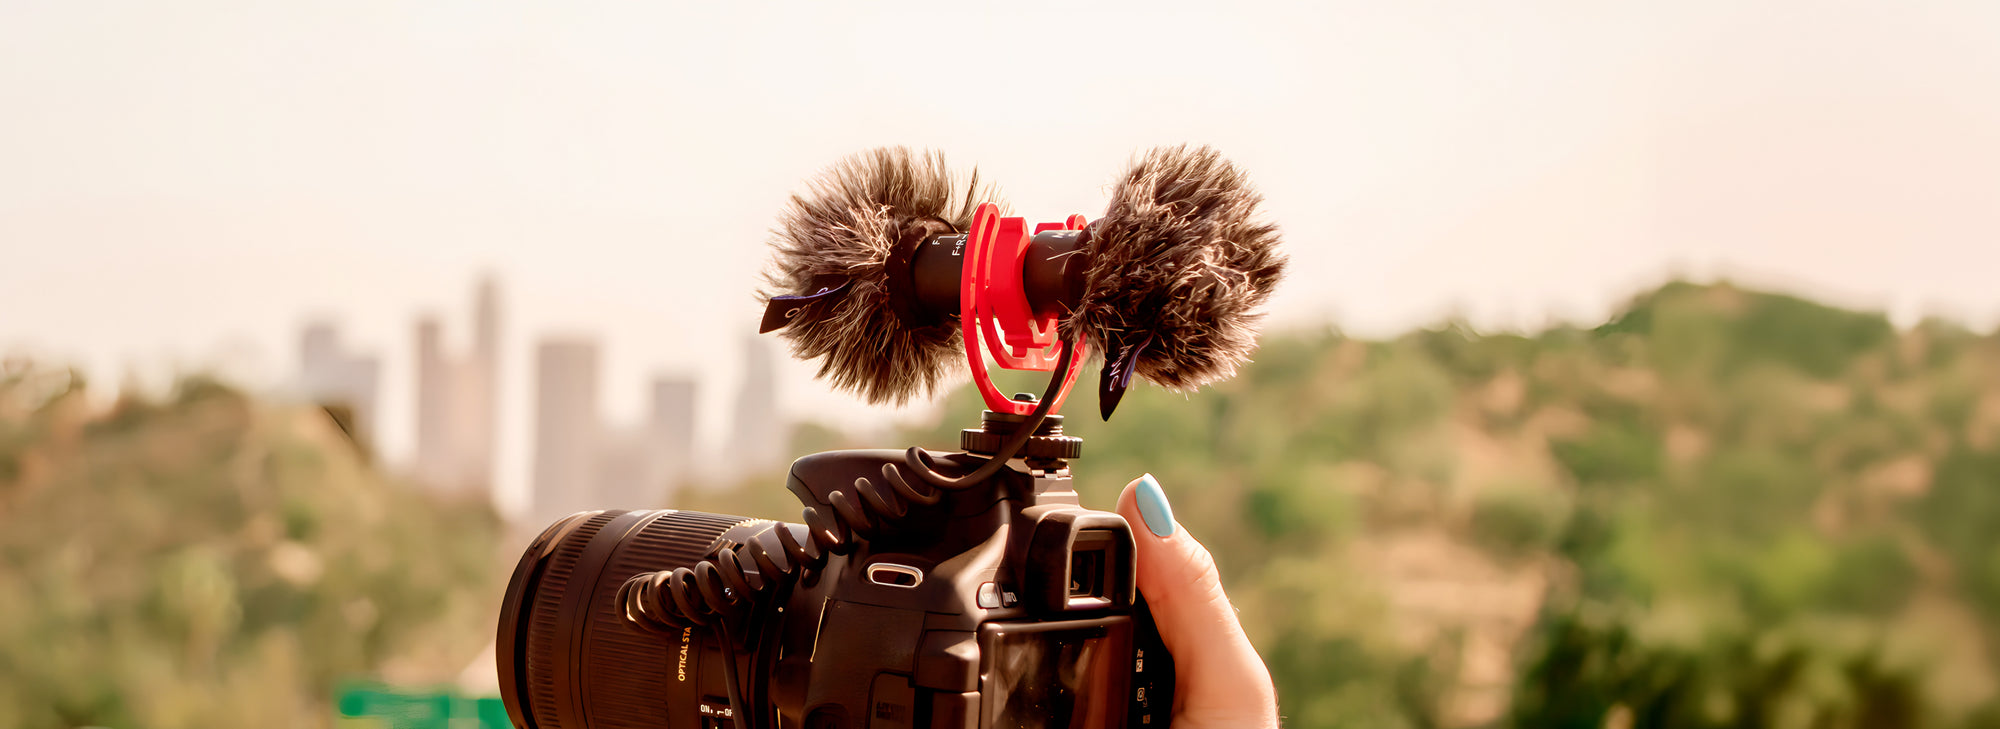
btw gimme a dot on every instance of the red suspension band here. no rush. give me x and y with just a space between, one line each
993 308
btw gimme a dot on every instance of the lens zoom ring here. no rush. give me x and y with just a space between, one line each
626 670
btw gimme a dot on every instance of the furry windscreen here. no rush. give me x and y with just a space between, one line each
844 227
1181 258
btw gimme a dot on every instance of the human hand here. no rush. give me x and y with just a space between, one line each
1220 682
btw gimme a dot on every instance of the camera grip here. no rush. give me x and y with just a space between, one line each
1152 704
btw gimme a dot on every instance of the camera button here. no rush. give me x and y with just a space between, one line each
891 574
991 596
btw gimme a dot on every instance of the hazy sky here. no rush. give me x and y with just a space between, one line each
185 183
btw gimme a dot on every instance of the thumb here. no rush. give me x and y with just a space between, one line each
1219 679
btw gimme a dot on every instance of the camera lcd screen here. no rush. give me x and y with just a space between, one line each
1057 675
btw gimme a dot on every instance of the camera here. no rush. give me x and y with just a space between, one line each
1002 604
922 589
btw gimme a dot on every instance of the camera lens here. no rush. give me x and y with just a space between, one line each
567 655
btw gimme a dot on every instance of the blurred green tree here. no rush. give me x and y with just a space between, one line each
201 560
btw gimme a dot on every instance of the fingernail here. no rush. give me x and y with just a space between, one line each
1153 507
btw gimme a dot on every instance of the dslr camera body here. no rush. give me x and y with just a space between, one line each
1005 604
921 589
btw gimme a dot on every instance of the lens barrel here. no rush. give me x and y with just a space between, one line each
568 657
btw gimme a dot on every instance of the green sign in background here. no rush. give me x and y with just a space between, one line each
374 706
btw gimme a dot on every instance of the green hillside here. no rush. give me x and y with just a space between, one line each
202 560
1723 508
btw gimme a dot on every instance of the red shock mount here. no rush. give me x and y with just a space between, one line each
994 308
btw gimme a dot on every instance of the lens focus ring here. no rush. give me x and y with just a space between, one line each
561 626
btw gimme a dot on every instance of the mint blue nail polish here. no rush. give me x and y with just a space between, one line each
1153 507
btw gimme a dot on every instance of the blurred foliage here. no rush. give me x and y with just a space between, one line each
201 560
1723 508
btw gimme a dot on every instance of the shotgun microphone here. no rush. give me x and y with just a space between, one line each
875 259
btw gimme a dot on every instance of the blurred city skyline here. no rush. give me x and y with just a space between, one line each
581 460
189 185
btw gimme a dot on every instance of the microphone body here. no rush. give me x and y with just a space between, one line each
1169 285
1051 276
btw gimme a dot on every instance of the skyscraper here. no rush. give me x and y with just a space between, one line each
583 463
456 411
433 465
567 443
330 375
757 438
630 474
670 426
481 409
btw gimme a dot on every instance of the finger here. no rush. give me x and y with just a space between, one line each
1220 680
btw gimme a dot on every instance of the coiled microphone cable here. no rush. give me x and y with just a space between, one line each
722 592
